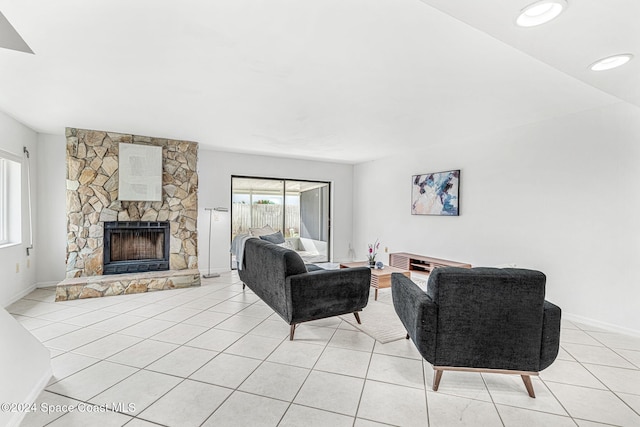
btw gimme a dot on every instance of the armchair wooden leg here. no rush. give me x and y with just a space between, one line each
525 375
292 331
407 337
436 379
527 383
243 285
355 313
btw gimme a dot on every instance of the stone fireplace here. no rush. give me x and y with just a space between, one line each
104 234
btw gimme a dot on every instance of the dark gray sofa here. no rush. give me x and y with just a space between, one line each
480 319
280 278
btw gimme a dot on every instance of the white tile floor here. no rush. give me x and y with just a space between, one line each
218 356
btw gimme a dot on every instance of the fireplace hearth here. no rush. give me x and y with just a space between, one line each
136 246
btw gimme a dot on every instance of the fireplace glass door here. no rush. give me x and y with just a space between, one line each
136 246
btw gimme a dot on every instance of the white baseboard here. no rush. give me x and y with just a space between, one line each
47 284
18 416
30 289
602 325
21 295
214 270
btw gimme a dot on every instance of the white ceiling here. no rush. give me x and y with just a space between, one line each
587 31
338 80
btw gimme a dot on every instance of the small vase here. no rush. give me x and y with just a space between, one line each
372 263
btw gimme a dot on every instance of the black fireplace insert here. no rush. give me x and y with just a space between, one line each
136 246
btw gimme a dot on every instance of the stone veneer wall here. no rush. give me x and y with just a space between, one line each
92 198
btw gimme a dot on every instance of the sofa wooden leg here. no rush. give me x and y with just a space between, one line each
527 383
292 331
407 337
436 379
355 313
243 285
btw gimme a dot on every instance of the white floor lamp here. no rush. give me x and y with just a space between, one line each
209 274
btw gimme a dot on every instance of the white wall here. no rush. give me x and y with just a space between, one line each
52 220
25 366
561 196
14 284
215 170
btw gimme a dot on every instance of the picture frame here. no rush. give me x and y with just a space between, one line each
140 173
436 193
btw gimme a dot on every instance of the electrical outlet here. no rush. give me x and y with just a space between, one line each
28 263
386 249
17 267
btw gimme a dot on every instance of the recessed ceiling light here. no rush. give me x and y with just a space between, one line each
540 12
611 62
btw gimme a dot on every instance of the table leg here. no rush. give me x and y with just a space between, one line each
376 296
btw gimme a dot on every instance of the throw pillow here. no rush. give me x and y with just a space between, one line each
257 232
276 238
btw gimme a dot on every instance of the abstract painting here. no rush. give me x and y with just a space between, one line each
435 193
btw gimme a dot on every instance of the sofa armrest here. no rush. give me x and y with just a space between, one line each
418 313
550 334
326 293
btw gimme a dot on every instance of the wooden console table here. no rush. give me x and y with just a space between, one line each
419 263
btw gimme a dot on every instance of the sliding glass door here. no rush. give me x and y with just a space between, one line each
299 209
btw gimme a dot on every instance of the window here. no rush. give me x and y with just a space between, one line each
10 199
297 208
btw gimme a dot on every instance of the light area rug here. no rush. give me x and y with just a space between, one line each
379 319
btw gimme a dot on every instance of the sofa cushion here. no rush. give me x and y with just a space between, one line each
262 231
287 245
313 267
276 238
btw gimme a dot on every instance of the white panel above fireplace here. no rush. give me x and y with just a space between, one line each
140 170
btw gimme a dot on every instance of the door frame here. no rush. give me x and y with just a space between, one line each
284 180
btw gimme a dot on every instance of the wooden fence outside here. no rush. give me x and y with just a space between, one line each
245 216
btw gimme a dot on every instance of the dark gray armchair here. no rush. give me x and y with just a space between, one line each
481 320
